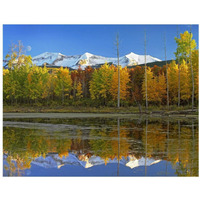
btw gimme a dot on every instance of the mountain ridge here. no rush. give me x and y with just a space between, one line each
88 59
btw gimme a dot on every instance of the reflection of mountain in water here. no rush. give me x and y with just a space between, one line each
54 161
43 144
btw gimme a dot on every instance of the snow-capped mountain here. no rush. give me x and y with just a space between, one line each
88 59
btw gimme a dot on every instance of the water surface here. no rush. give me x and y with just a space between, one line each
99 146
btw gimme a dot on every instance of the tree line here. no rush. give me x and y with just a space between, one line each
25 83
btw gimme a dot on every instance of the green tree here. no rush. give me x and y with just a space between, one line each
100 83
184 44
63 83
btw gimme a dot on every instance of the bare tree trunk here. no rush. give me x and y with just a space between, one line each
179 140
193 143
118 128
192 72
146 130
118 96
167 143
20 48
179 76
145 71
179 85
166 73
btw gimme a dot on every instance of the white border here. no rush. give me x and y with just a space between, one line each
95 12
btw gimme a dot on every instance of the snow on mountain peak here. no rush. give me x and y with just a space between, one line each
88 59
86 56
131 54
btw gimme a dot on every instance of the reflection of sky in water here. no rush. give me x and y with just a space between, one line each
162 168
91 147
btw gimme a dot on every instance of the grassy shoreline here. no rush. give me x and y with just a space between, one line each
161 111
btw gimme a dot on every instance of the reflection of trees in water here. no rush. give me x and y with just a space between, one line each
24 145
16 166
176 142
108 143
188 157
156 140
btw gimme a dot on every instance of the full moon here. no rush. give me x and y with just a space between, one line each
28 48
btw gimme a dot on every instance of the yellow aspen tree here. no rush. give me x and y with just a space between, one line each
156 87
5 71
161 87
195 63
173 75
63 83
184 44
7 84
101 82
46 83
151 85
185 89
79 91
34 83
153 90
124 80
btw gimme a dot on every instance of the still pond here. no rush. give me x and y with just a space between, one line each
100 146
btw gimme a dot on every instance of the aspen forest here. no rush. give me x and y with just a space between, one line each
100 99
104 113
28 84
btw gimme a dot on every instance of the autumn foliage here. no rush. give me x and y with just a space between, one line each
25 83
32 84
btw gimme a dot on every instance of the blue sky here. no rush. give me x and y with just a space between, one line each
96 39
